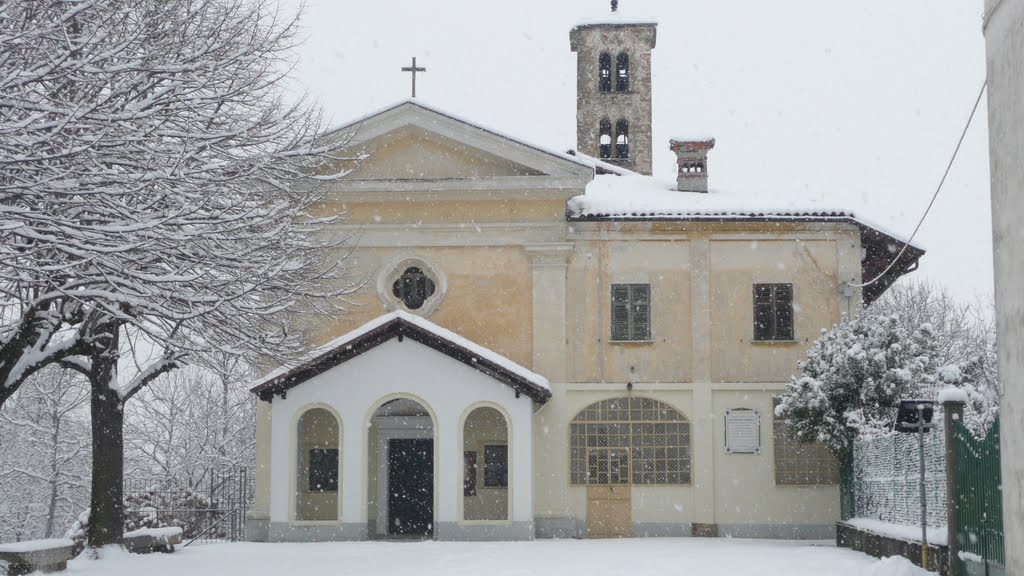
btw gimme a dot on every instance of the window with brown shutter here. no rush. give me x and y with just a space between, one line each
631 312
773 312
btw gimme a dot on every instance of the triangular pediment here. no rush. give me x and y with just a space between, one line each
414 153
412 142
400 325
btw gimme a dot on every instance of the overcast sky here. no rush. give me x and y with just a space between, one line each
817 102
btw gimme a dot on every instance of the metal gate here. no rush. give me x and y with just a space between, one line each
212 508
979 501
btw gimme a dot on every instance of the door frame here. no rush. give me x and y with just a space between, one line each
401 428
625 488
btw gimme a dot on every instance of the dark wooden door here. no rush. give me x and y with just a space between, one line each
411 486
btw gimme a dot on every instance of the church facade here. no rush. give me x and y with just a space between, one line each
557 344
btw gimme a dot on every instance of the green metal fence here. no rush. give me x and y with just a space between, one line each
979 501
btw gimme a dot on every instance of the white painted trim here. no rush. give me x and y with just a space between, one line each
409 113
460 511
471 235
392 428
440 189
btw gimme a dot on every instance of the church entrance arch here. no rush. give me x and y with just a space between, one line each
401 471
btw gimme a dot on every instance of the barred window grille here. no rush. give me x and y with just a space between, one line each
631 312
629 441
800 463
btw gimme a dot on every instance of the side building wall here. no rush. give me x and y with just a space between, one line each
700 360
1004 44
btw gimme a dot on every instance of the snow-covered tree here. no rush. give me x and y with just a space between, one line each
189 424
155 200
912 343
44 456
965 343
853 378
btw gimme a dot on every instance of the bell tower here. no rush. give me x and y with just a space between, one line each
613 89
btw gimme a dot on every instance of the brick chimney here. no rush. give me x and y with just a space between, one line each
692 158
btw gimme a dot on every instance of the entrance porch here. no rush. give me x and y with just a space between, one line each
401 429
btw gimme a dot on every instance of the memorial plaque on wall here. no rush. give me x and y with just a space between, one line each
742 431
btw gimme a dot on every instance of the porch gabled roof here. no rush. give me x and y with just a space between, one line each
400 324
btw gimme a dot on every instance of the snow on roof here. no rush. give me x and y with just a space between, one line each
600 164
692 138
633 196
617 18
418 102
423 323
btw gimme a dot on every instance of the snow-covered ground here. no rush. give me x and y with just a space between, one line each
731 557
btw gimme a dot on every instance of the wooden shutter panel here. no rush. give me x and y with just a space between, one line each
620 312
784 312
763 312
641 304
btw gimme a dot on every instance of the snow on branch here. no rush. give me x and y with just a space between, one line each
154 175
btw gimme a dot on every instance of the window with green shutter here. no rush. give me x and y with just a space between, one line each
631 312
773 312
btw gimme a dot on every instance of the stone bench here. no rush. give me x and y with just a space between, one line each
31 555
147 540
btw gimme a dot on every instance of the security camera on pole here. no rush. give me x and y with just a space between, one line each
916 416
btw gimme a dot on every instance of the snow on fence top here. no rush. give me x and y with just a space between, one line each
953 394
35 545
165 533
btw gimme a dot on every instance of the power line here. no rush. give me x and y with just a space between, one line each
934 196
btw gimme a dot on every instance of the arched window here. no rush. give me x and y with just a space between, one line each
622 72
629 441
606 138
485 460
604 63
622 139
316 482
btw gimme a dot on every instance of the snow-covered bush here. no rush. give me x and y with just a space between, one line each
79 532
855 374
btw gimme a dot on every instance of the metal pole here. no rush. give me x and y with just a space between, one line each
924 502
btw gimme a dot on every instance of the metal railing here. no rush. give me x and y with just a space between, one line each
212 509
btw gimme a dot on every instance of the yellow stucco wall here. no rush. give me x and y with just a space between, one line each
700 358
736 265
745 483
594 267
488 298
